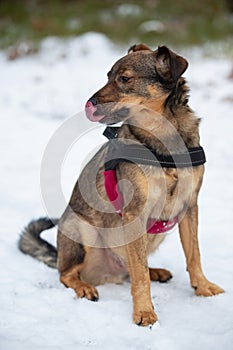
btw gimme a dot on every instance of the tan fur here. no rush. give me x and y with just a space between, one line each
89 256
71 279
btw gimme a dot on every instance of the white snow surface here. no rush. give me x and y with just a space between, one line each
37 93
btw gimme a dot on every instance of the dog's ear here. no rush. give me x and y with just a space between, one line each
168 64
139 47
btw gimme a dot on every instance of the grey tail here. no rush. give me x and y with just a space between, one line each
31 243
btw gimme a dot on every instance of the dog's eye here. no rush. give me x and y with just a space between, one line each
123 79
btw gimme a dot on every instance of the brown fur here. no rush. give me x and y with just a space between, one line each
87 256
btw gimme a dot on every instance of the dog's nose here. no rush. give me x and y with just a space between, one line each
91 102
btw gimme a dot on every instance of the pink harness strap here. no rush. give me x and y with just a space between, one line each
111 187
116 198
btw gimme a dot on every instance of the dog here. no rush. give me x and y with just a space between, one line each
147 93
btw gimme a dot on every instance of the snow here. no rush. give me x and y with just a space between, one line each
37 93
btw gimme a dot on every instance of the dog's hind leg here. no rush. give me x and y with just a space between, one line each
161 275
71 255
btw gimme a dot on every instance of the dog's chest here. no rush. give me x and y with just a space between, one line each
170 190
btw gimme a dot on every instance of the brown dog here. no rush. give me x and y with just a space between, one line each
145 90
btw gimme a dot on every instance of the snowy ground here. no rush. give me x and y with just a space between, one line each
37 93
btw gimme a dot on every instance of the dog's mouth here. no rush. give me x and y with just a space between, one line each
105 114
92 112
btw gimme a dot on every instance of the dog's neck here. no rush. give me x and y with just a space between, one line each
169 132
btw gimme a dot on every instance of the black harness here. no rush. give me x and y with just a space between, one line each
120 151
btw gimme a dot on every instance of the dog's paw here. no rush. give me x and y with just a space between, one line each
207 289
87 291
145 318
160 275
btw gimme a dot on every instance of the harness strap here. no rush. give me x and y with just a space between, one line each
121 151
111 132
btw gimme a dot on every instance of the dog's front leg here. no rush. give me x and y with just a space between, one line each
143 311
189 238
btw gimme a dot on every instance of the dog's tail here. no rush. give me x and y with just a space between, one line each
31 243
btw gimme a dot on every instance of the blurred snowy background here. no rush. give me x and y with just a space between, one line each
46 76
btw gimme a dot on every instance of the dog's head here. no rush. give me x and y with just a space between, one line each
143 77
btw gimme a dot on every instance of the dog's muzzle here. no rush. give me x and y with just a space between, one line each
90 109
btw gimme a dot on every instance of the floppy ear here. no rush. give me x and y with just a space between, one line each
169 65
139 47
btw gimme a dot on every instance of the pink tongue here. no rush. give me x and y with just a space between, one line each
90 110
